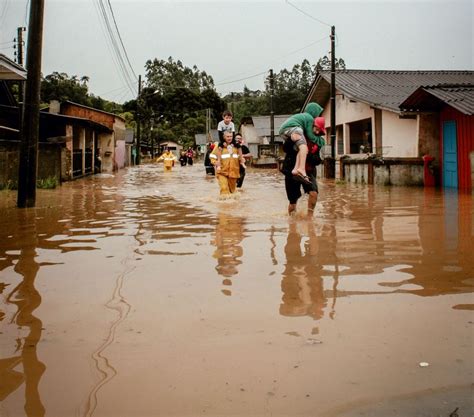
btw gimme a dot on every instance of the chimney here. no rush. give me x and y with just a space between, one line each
54 106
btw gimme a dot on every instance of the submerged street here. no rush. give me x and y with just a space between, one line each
142 294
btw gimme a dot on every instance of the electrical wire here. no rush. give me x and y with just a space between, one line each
307 14
115 48
279 60
120 38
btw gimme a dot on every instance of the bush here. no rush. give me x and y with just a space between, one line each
47 183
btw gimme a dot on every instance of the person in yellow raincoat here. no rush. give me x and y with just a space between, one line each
228 172
168 159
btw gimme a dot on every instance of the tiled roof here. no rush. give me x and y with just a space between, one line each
431 98
383 89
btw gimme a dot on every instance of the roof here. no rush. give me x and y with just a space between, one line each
10 70
434 98
92 108
77 120
382 89
262 124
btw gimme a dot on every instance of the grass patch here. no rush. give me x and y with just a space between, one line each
9 185
47 183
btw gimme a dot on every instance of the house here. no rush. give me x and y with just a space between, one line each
174 147
49 154
86 144
256 131
375 141
454 144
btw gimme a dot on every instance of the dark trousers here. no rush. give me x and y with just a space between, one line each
240 181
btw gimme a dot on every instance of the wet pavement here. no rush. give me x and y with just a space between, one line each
142 294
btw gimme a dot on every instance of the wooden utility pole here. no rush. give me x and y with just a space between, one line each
333 92
19 60
30 125
139 151
272 114
19 45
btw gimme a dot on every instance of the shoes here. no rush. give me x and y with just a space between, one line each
304 179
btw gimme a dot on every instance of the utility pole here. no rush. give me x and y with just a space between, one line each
19 45
30 121
139 151
19 60
272 115
333 92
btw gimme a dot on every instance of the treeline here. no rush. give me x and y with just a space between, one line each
174 101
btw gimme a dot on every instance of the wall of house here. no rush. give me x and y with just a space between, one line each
400 138
428 135
250 134
49 162
119 154
106 151
91 114
347 111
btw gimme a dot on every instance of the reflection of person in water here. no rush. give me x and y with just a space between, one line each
302 285
229 234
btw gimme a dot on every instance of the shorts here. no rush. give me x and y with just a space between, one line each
298 130
293 187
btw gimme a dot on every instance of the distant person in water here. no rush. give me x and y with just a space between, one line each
168 158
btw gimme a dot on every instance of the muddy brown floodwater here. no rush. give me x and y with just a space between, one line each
143 295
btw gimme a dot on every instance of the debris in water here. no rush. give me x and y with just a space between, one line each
424 364
313 341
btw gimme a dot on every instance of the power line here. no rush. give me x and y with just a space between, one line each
120 38
116 51
279 60
307 14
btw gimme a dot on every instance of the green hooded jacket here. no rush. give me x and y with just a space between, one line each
305 121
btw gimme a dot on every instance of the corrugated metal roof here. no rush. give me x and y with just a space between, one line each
432 98
383 89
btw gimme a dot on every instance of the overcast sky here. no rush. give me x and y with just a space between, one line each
235 40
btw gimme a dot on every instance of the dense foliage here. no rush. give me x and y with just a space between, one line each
60 86
174 101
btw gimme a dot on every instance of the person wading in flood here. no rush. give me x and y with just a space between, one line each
299 128
168 160
229 170
293 184
246 155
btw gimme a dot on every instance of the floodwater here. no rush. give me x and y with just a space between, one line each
142 294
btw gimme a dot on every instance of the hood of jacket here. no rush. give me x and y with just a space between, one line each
314 109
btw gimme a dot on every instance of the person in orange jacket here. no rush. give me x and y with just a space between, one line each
228 172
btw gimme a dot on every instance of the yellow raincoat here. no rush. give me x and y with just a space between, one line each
168 159
229 172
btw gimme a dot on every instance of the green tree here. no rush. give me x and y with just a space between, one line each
174 101
62 87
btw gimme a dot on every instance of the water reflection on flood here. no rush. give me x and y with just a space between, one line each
87 246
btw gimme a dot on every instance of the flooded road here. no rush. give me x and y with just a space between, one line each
143 295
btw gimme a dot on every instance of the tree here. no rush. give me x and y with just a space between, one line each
59 86
62 87
324 63
178 96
